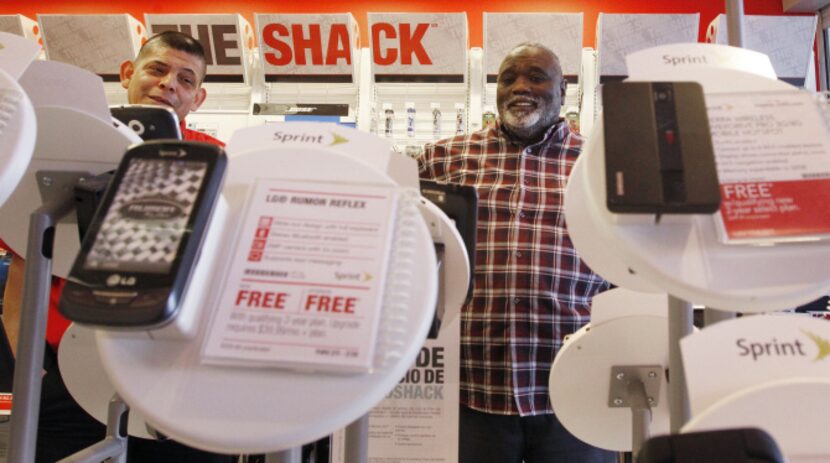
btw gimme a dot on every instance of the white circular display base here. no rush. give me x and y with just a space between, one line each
580 379
456 262
18 128
684 256
86 379
67 140
795 412
261 410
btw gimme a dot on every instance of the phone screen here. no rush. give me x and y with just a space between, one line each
148 217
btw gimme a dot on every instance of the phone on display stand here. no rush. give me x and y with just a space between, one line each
138 255
149 122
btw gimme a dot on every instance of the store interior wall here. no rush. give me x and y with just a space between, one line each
708 9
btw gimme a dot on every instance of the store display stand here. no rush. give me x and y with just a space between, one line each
271 410
30 350
683 255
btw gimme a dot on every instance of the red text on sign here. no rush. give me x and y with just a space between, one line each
409 43
292 43
333 304
262 299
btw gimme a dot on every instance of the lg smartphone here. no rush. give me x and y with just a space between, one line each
139 252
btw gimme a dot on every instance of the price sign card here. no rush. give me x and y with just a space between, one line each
773 159
305 283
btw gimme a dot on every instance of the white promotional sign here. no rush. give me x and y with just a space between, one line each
417 422
619 35
561 32
749 351
228 40
421 47
679 56
787 40
16 53
305 284
20 25
773 165
308 47
97 43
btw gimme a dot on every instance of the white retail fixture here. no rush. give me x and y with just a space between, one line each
255 410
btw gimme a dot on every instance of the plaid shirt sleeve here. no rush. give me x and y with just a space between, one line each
531 288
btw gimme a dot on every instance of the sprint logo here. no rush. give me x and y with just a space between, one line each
782 348
822 344
316 139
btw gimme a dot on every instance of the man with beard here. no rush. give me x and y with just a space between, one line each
531 288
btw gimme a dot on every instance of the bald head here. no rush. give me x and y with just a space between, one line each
530 91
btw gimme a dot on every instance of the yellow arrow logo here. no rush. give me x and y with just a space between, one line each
822 344
338 139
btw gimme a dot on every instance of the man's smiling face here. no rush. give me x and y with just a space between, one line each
529 92
165 76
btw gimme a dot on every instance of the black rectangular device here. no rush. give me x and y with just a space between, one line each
139 252
741 445
148 121
659 156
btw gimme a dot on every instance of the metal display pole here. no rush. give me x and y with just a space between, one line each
113 448
357 441
292 455
680 325
735 22
31 344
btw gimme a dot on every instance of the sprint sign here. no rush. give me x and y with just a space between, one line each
307 47
428 47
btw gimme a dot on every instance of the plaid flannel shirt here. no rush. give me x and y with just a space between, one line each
531 288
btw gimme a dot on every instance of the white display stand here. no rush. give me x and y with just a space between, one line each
59 148
685 256
86 379
17 135
680 254
631 329
795 412
770 372
456 262
260 410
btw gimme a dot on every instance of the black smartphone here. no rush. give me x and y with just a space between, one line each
139 252
148 121
659 156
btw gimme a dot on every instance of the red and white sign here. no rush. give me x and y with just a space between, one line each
306 280
97 43
5 404
308 47
228 40
773 159
429 47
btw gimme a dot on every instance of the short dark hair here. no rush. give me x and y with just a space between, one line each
177 41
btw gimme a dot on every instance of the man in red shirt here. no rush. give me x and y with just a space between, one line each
168 71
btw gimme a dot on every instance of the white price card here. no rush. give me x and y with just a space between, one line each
305 283
773 158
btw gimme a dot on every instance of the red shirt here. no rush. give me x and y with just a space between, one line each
56 324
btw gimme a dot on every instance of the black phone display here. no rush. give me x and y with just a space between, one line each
659 156
148 121
136 259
